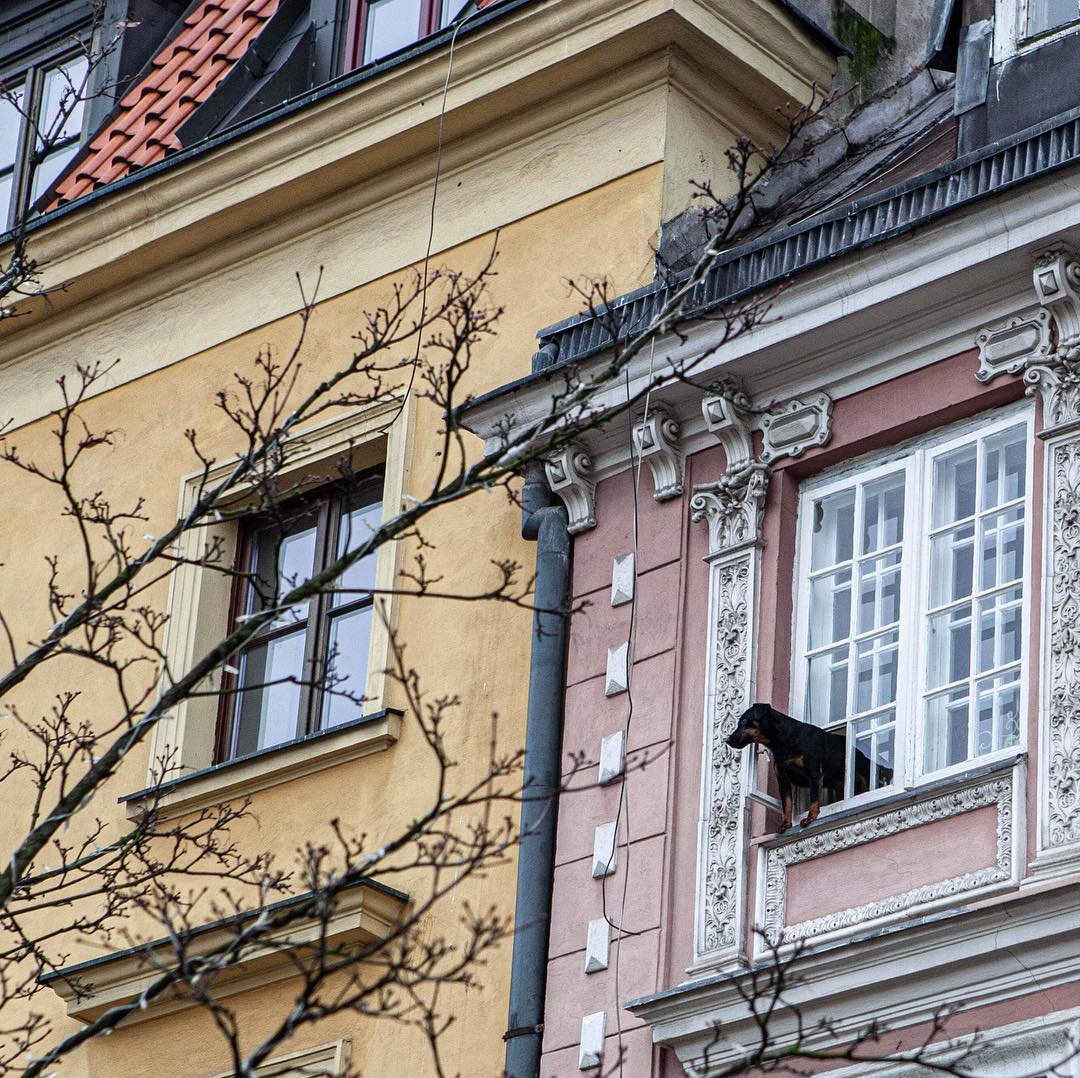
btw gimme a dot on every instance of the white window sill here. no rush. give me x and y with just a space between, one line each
268 767
869 805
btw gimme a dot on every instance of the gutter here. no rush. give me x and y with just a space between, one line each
544 520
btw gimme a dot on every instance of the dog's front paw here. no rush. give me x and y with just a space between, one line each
809 818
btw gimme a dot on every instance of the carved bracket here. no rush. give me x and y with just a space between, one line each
728 416
791 428
1057 284
656 439
569 474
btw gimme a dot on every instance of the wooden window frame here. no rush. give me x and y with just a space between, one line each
326 504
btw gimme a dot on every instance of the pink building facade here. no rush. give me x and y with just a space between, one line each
863 512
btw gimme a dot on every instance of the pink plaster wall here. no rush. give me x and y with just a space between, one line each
889 866
668 698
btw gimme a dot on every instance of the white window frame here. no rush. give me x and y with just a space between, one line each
1010 30
915 458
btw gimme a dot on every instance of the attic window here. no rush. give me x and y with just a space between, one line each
41 119
1046 15
383 27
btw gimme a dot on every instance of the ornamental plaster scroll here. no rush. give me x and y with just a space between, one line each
1061 731
997 791
656 439
790 428
1008 347
570 476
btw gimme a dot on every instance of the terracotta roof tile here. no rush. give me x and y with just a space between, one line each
214 35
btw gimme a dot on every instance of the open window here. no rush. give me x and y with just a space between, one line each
911 586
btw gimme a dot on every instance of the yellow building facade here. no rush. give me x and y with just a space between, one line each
571 132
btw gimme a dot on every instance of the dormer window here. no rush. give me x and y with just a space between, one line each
41 121
383 27
1045 15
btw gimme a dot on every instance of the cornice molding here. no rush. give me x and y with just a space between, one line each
962 958
364 914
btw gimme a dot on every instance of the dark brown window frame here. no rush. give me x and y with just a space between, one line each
326 504
31 80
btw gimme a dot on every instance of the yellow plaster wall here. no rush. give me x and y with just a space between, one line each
484 658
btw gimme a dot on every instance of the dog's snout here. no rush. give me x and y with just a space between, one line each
738 740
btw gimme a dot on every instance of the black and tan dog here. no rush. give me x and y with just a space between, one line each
802 755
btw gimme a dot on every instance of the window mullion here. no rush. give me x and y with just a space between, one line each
915 577
310 695
976 600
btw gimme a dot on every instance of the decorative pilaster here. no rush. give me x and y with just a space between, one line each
1052 369
569 474
732 506
656 439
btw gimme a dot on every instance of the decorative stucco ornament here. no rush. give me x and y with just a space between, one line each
790 428
569 474
733 506
1000 792
1062 721
656 439
1009 346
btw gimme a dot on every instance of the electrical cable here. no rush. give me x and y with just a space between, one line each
623 809
462 20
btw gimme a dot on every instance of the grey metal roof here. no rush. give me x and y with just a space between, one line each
782 254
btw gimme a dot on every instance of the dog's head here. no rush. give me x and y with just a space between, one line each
755 724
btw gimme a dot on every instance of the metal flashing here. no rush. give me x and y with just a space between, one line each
778 256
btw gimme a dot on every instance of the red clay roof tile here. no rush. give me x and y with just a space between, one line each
215 34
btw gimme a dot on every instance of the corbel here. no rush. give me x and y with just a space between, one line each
733 504
570 476
656 439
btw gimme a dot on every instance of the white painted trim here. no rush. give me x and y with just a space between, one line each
1005 791
901 975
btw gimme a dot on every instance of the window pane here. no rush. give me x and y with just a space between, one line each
946 730
949 647
451 9
1000 619
1002 548
875 671
285 557
5 198
879 592
834 524
10 124
874 761
1004 467
61 111
358 523
954 485
391 25
830 608
997 712
883 513
348 652
268 713
827 696
952 557
50 168
1047 14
